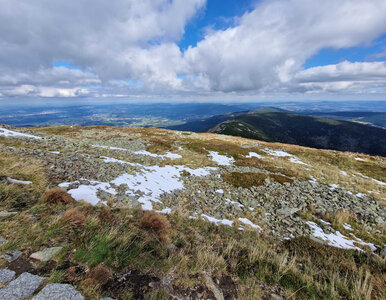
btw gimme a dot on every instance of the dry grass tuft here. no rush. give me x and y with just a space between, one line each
156 223
341 217
74 219
101 273
57 196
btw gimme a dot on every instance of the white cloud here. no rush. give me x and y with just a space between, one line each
129 47
271 43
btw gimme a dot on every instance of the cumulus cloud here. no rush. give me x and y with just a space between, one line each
130 47
271 43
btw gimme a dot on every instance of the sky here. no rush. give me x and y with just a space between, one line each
192 50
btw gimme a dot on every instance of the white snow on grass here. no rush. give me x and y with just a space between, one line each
220 191
11 180
278 153
296 160
334 186
249 223
221 160
114 160
313 180
217 221
360 195
55 152
359 159
347 226
166 210
142 152
281 153
163 156
153 181
11 133
235 203
337 239
88 193
379 182
110 148
253 154
343 173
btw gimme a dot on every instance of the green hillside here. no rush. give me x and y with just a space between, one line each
307 131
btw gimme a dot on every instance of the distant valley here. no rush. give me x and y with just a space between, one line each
276 125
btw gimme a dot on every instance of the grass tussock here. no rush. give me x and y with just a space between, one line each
74 219
156 224
57 196
101 274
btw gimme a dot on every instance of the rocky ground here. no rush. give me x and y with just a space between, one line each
273 189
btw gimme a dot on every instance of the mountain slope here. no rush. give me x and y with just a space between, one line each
298 129
237 218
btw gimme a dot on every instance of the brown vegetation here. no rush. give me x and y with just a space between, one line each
101 273
57 196
155 223
74 219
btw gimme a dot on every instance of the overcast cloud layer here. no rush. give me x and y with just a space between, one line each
129 48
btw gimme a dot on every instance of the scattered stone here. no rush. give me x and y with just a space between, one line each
210 284
6 275
2 241
58 291
22 287
46 254
275 297
383 251
5 213
11 255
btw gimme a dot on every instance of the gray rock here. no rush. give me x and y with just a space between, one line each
383 251
5 213
22 287
2 241
58 291
11 255
287 211
46 254
210 284
6 275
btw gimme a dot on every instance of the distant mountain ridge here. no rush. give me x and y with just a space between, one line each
277 125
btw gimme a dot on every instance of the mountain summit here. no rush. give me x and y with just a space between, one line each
142 213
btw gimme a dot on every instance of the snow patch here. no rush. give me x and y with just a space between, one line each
164 156
253 154
379 182
221 160
343 173
278 153
234 203
88 193
337 239
220 191
153 181
359 159
11 133
11 180
217 221
249 223
296 160
110 148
